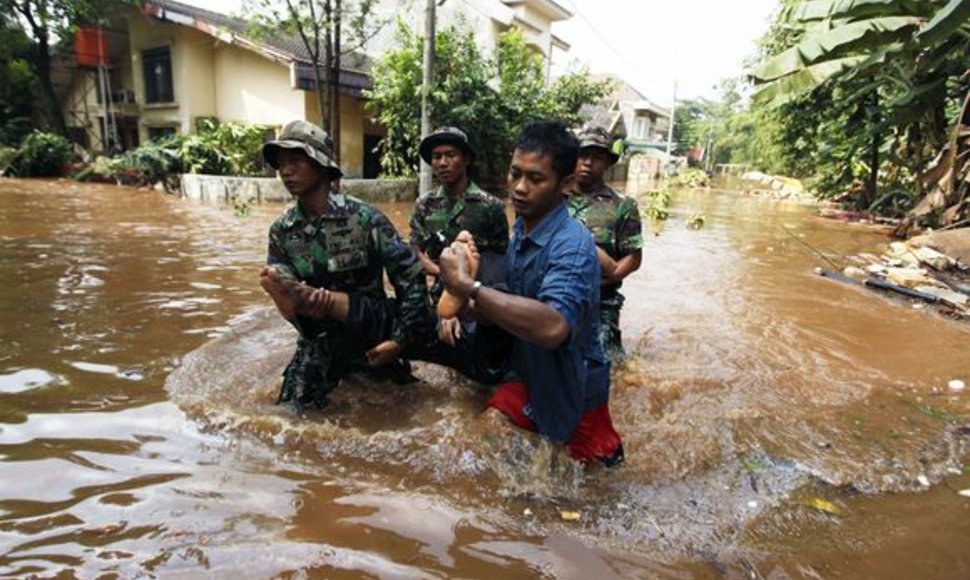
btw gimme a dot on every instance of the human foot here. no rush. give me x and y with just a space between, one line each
283 294
449 306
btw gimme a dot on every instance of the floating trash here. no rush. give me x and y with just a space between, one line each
956 385
824 505
568 516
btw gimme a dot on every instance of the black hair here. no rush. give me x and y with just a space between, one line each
551 138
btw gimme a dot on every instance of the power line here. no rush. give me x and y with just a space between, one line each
619 54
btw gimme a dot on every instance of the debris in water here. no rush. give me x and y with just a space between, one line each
824 505
527 512
696 220
956 385
568 516
964 492
923 480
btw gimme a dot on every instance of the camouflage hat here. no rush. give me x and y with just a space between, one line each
598 137
445 136
307 137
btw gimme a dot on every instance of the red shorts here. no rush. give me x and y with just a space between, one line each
595 438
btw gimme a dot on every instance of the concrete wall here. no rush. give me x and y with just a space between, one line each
253 89
222 189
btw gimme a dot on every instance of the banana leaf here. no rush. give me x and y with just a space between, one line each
866 35
945 22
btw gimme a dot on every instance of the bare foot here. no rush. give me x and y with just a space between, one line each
449 306
284 296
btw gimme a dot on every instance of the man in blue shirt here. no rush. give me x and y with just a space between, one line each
561 375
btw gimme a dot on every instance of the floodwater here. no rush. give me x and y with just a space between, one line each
776 424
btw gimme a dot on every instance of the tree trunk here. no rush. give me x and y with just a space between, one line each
42 66
873 181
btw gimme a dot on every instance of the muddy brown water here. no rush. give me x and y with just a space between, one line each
777 424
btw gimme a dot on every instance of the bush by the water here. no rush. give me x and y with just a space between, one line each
7 155
41 155
691 177
216 149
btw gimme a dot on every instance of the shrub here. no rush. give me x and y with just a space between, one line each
42 155
158 161
691 177
7 155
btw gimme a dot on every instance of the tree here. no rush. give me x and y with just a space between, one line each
48 22
320 25
487 97
16 83
890 73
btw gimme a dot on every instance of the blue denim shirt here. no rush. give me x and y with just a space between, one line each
556 264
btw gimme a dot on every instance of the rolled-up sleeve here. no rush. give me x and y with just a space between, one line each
566 283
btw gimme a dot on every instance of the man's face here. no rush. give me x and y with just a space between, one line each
301 174
449 164
534 187
591 166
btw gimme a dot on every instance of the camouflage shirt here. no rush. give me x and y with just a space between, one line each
347 249
438 218
612 218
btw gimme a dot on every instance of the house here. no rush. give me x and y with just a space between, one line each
163 66
489 19
627 114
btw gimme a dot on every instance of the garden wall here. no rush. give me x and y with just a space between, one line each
270 189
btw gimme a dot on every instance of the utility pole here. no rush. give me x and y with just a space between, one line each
670 129
424 183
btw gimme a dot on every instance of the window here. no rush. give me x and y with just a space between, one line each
157 69
641 127
156 133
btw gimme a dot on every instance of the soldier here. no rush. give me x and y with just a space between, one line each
614 221
456 204
327 258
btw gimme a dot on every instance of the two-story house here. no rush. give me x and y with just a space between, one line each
160 67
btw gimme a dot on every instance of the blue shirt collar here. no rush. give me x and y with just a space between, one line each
551 223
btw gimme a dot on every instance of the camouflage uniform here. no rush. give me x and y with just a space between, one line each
347 249
614 221
438 218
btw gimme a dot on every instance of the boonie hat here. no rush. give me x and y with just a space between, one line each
445 136
598 137
307 137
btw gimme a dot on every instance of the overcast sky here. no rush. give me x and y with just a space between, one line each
649 43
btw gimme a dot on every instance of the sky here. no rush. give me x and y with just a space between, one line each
649 43
653 43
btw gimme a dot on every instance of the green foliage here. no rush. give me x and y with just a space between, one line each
46 23
658 206
7 155
223 149
42 155
16 84
855 94
154 162
216 149
489 98
328 31
691 177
